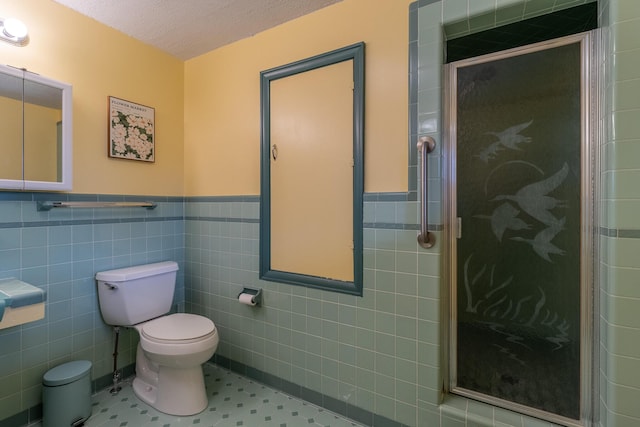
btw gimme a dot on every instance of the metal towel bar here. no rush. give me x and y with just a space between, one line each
45 206
425 145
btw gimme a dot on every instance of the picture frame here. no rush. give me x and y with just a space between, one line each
131 130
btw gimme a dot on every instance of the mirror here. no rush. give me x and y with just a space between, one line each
11 125
35 118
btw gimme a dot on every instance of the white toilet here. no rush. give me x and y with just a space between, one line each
172 347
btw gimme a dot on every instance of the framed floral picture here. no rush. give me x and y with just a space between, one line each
131 130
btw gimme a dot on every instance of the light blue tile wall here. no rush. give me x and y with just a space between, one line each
620 293
364 351
437 409
381 352
60 251
619 216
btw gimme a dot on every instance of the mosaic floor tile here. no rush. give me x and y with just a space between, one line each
234 401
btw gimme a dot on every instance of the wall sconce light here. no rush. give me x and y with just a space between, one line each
13 31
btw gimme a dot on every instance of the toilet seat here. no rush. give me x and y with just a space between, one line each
178 328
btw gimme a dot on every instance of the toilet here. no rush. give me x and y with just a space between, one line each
172 347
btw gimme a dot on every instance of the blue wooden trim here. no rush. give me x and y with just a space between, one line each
422 3
353 52
313 281
265 176
358 168
413 102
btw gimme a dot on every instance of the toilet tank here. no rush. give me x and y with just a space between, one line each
136 294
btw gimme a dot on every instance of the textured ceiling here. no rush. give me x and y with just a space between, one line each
188 28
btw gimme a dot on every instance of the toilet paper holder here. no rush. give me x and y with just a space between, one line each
255 293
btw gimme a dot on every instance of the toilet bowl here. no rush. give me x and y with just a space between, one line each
172 347
169 362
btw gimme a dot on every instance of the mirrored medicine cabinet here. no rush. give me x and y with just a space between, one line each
36 131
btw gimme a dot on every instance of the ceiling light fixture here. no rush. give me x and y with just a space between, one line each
13 31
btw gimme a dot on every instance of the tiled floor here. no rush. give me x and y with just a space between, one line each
234 401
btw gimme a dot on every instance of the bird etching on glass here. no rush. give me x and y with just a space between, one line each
503 218
490 152
509 138
533 199
541 243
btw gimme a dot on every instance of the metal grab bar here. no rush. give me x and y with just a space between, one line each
45 206
425 145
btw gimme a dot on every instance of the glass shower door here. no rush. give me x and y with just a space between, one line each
521 271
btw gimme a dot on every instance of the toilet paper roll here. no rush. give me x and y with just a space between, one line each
246 299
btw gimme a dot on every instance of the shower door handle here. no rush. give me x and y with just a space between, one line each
425 145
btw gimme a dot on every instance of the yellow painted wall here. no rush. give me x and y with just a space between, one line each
208 130
222 95
312 173
99 61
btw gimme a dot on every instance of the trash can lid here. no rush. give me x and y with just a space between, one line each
66 373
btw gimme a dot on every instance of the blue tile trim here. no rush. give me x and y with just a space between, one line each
222 219
77 197
15 197
390 226
376 225
28 224
202 199
330 403
624 234
386 197
11 224
368 197
17 420
393 226
8 196
607 232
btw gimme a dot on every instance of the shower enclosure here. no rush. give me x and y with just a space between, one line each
520 163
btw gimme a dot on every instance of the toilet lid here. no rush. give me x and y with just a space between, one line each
177 327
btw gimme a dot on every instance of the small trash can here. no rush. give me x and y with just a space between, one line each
66 395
